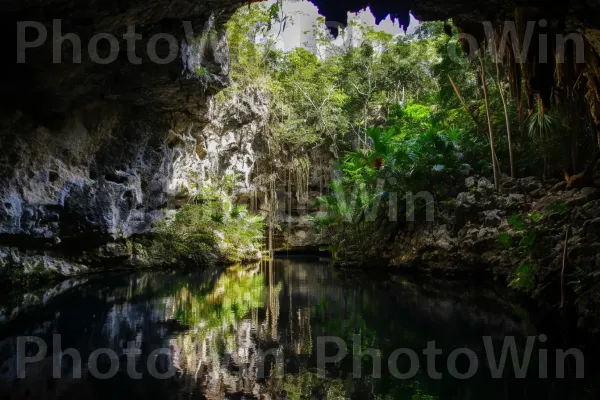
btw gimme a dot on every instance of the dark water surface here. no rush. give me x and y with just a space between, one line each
215 325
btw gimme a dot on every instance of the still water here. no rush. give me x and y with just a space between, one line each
215 326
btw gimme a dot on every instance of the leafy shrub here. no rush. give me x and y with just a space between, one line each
559 207
210 226
524 279
517 223
505 241
408 155
528 226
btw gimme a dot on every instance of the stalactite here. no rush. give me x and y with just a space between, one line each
473 29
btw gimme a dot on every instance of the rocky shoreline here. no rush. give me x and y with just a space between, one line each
491 234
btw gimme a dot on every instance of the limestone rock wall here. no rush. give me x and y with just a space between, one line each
85 180
87 158
229 143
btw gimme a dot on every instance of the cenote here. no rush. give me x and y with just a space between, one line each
216 323
172 170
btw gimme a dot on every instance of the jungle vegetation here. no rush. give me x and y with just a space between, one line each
380 117
410 112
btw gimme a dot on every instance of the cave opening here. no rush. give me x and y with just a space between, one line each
206 191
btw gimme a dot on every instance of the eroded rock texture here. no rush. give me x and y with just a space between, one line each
479 237
229 143
86 158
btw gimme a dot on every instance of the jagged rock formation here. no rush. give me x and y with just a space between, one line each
575 14
228 144
235 143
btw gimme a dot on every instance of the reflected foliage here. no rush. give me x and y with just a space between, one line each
217 323
210 229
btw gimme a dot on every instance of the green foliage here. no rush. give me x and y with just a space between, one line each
297 385
559 207
524 279
535 217
402 158
517 223
201 71
251 57
541 126
211 225
504 240
527 226
19 273
233 296
309 102
429 160
384 111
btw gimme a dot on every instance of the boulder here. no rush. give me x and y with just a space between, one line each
491 218
583 196
470 182
485 186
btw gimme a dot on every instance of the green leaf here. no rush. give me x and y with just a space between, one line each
517 223
504 240
559 207
535 217
524 278
528 240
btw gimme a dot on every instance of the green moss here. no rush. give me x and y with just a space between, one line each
201 71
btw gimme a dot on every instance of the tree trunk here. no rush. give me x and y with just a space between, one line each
462 102
489 120
499 83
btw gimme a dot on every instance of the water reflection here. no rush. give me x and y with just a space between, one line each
217 323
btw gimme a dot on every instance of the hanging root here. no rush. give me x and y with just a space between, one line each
586 178
476 30
580 180
593 92
564 266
